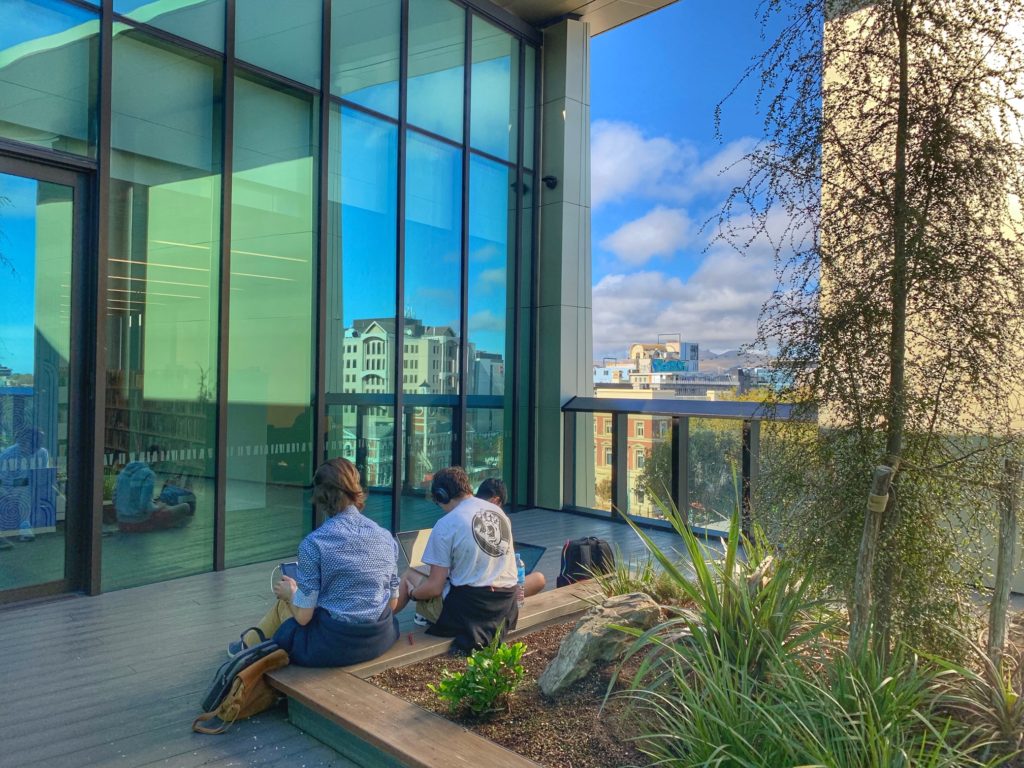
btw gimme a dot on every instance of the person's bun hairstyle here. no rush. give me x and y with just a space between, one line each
336 484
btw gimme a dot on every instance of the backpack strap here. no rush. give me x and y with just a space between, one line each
199 727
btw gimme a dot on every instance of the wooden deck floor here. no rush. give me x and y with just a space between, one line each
115 680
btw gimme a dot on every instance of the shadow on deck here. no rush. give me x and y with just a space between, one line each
115 680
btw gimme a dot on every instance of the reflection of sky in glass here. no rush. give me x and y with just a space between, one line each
17 276
364 53
25 20
488 253
490 129
369 216
433 231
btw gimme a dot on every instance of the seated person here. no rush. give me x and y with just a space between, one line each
472 566
24 481
493 490
340 610
138 508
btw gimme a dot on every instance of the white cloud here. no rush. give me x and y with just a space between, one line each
626 163
486 320
492 278
660 232
717 306
623 161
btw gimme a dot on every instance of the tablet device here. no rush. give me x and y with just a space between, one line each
291 570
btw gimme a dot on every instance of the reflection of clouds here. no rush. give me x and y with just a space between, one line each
486 320
438 295
452 257
484 253
491 278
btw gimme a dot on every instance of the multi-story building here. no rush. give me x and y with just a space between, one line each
209 199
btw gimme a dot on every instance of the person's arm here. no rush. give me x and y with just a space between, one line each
303 593
286 589
430 587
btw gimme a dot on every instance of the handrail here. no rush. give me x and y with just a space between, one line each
704 409
618 465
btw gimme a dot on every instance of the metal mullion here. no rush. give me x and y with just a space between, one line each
620 459
436 137
397 469
531 469
680 466
224 284
320 304
91 572
50 157
85 6
364 110
162 35
494 159
462 417
266 74
517 276
504 19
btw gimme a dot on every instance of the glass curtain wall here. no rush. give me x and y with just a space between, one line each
162 311
270 340
427 225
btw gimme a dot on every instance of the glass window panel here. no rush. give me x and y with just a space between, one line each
199 20
365 52
492 216
270 418
362 253
433 246
485 445
437 45
530 100
49 69
716 447
365 435
494 113
35 341
285 41
162 310
593 463
427 433
648 465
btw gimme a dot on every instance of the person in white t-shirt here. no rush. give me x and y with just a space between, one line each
472 566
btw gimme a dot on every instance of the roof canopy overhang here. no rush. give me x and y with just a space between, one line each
602 15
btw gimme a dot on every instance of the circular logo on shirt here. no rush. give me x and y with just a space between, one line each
492 532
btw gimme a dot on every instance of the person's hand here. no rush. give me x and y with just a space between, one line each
410 585
285 588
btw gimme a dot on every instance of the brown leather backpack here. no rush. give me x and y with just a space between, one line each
248 695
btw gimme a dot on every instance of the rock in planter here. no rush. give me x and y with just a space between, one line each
594 641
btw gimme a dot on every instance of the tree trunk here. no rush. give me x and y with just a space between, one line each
1005 562
860 617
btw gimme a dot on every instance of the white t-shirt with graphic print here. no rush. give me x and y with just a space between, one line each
474 542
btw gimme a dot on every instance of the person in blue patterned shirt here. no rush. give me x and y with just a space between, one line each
340 608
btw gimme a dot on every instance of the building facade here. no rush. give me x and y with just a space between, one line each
242 240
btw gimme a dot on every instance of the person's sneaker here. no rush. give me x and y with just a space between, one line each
235 648
25 532
420 621
5 544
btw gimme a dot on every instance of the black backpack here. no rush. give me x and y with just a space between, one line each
581 558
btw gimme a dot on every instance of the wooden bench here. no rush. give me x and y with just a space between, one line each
374 728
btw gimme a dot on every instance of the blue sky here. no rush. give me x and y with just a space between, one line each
658 173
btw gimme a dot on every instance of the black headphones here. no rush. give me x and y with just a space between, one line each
440 493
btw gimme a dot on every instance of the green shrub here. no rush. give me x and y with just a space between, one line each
492 674
755 673
634 574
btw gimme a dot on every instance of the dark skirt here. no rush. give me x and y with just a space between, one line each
327 642
473 615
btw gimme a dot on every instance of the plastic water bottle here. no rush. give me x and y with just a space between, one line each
520 581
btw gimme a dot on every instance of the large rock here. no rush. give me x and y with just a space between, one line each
593 641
